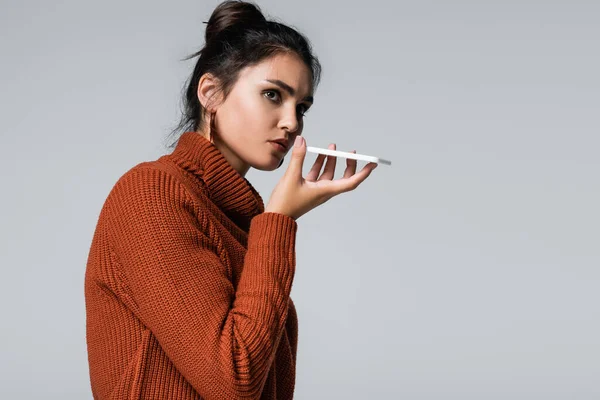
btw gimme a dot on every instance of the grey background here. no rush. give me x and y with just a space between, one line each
466 270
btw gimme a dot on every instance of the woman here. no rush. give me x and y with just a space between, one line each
189 275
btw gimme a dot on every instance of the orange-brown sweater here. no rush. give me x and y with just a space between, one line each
187 285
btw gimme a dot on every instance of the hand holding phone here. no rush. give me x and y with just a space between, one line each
353 156
295 195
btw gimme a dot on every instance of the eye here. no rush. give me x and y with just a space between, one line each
275 96
272 95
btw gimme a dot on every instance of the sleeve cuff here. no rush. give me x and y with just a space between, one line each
273 230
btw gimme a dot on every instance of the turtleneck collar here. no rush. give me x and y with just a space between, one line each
229 190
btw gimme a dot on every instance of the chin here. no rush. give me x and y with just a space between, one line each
270 164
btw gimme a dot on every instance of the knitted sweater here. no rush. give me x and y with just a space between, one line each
187 285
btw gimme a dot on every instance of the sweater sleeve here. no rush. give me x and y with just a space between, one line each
222 340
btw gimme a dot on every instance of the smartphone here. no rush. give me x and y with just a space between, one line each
344 154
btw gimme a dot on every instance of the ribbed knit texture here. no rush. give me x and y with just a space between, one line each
187 285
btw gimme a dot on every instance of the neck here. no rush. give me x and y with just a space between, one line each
237 163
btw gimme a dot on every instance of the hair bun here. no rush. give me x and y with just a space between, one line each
233 16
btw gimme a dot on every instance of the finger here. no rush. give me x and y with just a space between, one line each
350 166
329 169
351 183
297 159
316 168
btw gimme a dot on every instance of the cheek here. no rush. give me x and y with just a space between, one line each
259 113
253 112
248 115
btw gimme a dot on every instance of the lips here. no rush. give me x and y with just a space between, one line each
282 142
278 146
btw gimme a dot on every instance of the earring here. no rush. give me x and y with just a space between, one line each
211 127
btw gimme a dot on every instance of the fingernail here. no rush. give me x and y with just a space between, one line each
298 141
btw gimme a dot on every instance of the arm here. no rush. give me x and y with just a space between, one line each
222 341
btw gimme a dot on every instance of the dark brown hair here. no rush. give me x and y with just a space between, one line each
237 36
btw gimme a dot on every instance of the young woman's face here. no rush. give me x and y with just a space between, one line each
265 104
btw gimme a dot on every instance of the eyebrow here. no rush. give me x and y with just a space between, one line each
288 89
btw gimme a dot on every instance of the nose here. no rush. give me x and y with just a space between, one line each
289 121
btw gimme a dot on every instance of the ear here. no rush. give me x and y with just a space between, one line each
207 92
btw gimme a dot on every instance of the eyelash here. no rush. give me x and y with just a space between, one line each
279 94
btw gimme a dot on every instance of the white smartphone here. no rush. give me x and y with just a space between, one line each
344 154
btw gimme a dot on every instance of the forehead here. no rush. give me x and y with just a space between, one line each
288 68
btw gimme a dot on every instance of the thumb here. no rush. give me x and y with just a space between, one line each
298 155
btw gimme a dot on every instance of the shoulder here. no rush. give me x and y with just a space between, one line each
162 176
151 200
146 179
150 186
